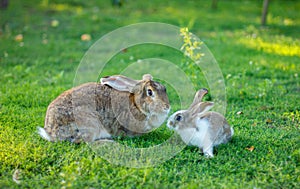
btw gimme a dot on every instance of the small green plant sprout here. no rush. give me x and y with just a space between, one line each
191 45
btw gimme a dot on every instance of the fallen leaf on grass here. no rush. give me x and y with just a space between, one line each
17 176
86 37
251 148
45 41
54 23
239 112
19 38
268 121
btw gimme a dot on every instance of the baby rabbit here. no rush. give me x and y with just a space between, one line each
118 106
199 127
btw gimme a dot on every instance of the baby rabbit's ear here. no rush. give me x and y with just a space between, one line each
198 96
201 108
119 82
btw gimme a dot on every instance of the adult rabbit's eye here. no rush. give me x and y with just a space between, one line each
149 92
178 118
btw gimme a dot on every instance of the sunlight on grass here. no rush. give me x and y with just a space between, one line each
280 20
278 47
60 7
294 117
288 22
284 66
18 152
185 18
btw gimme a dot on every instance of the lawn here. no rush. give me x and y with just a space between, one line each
260 67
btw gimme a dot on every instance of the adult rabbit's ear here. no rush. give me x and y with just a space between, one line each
123 83
119 82
147 77
199 96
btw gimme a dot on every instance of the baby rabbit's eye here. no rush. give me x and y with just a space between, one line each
149 92
178 118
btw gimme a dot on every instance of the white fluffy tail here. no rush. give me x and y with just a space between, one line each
42 132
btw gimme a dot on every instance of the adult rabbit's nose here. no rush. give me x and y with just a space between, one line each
167 107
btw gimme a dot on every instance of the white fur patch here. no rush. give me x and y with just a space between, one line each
202 135
104 134
43 134
196 136
188 135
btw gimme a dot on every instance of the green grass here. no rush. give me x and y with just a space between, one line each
261 68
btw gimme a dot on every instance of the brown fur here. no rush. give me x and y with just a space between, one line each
93 111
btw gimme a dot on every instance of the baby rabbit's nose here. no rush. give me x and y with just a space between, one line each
170 124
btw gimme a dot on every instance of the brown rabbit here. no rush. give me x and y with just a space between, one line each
199 127
118 106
